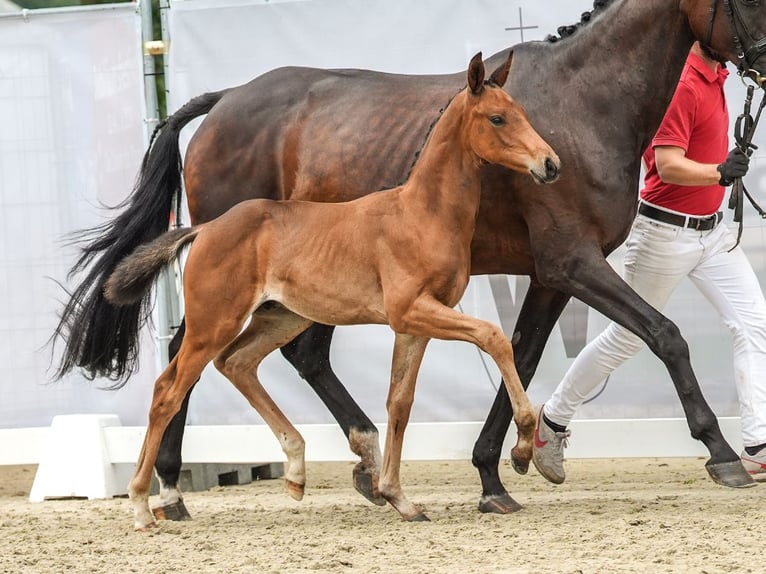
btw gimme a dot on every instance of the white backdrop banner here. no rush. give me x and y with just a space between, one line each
217 44
71 139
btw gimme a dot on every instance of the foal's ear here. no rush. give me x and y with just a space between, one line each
500 75
476 74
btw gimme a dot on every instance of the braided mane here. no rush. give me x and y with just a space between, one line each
566 31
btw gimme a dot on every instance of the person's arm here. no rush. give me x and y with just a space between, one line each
674 167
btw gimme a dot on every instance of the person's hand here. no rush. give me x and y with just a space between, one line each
735 165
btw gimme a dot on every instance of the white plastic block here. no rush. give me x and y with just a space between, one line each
75 461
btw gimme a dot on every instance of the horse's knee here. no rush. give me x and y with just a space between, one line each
668 343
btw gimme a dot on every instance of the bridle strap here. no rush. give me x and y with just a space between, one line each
744 129
711 22
738 24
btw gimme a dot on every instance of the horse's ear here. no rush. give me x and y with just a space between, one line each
500 75
476 74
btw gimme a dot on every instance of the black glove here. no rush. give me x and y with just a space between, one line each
734 166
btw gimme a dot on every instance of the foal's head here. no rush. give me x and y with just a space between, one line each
497 128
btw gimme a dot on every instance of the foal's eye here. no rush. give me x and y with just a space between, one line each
496 120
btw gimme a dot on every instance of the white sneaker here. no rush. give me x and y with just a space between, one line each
755 464
548 450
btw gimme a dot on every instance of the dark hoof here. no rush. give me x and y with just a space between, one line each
520 466
499 504
176 511
419 518
731 474
363 485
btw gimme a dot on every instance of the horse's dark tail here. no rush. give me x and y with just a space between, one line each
99 338
133 278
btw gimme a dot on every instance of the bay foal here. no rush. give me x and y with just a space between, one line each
399 257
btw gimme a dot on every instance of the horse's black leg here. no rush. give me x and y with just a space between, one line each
592 280
309 353
539 313
168 463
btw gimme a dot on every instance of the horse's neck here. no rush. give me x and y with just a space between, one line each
446 179
635 50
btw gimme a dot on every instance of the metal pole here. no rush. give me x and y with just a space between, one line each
168 307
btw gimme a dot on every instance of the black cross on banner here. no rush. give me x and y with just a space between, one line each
521 27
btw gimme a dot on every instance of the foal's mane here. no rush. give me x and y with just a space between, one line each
428 133
568 30
487 82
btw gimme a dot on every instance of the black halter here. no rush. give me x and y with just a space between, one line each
738 25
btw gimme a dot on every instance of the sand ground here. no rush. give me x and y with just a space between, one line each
628 515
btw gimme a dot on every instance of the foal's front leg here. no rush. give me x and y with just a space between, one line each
430 318
407 356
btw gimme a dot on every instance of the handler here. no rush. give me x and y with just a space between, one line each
677 234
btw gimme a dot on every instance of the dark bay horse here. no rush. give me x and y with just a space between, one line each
596 95
261 273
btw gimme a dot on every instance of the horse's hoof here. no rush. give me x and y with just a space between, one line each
146 528
520 466
294 489
420 517
731 474
363 484
175 511
499 504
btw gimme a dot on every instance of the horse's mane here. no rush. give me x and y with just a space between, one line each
566 31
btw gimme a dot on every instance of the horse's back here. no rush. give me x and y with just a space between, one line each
312 134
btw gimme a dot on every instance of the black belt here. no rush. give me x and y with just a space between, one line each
698 223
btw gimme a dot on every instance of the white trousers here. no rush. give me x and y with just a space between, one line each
658 257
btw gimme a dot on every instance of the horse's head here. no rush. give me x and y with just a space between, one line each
736 29
498 130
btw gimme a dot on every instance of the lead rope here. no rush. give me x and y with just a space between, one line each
744 129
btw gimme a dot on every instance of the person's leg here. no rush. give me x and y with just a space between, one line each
657 258
726 278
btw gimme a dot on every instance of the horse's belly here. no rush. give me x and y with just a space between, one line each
332 297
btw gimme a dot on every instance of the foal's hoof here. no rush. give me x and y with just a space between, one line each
731 474
294 489
175 511
147 527
499 504
364 485
520 466
420 517
520 458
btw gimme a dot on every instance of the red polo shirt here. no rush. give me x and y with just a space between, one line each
697 121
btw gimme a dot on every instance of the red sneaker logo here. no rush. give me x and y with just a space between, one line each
539 443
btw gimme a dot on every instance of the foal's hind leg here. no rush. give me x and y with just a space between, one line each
169 391
269 329
408 354
309 353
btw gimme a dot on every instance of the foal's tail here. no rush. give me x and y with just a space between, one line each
133 278
99 338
